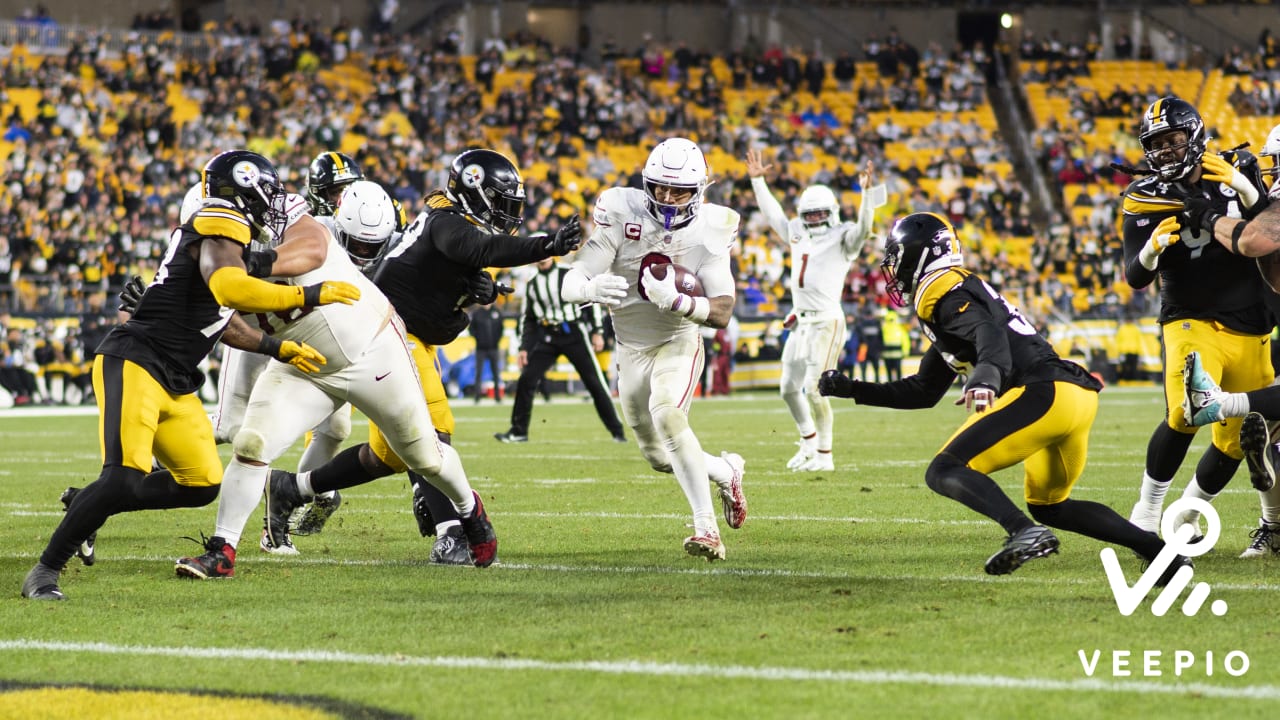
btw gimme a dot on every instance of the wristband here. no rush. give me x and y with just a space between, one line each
1235 238
311 294
270 346
258 263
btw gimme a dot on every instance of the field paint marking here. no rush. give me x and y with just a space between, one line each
318 561
656 669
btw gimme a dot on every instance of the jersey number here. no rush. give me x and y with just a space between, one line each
270 323
804 265
1017 322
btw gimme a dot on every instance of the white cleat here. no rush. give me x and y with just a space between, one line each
705 545
818 463
802 456
731 496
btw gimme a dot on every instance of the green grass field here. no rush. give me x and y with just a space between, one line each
857 593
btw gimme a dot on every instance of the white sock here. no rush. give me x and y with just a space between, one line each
442 527
452 480
319 451
303 480
1153 492
1195 491
799 407
1271 504
242 486
1235 405
689 463
822 417
720 471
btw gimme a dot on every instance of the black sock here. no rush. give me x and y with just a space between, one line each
441 506
948 477
1099 522
1166 450
1265 401
343 471
1215 469
117 490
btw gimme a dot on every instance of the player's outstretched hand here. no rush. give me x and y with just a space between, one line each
131 294
833 383
978 398
566 238
1217 169
301 355
329 292
606 289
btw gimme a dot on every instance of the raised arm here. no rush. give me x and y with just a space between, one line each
768 204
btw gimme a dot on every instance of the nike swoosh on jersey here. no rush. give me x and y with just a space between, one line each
378 378
963 308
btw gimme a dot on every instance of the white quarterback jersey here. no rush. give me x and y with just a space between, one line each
820 257
626 233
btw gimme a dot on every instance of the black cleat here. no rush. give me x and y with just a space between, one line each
1030 543
282 499
451 548
1259 453
218 561
510 437
422 513
318 513
42 584
86 550
1178 563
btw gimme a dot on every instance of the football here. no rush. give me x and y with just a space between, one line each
686 281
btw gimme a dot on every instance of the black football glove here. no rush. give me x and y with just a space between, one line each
131 294
481 289
566 238
836 383
1199 212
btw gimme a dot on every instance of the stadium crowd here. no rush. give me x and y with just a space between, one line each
96 166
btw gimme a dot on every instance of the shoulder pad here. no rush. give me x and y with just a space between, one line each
934 287
611 204
722 227
1145 197
226 222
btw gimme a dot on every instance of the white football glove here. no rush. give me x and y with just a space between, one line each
606 289
662 292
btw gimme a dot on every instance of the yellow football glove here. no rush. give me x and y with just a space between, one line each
330 291
301 355
1217 169
1165 234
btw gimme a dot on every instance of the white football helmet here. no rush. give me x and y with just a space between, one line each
364 221
818 207
191 202
1271 149
675 164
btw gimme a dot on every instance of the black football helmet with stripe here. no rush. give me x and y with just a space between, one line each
917 245
328 175
1168 115
248 182
488 189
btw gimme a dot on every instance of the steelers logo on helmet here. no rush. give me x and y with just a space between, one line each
245 174
472 176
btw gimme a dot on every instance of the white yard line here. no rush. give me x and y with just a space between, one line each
654 669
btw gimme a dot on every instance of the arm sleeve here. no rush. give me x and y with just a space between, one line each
232 287
771 208
856 234
465 244
922 390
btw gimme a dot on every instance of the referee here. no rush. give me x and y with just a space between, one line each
552 328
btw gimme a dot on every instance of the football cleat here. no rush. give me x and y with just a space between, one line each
820 462
705 545
317 514
1192 518
86 550
802 456
422 513
731 497
480 535
1259 453
1266 540
1202 398
1146 516
510 437
1178 563
451 548
282 499
42 584
218 561
1029 543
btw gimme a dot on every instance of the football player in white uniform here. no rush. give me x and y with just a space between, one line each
822 247
369 365
660 350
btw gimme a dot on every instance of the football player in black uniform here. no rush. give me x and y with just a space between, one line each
1029 406
431 276
1210 299
145 374
327 176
